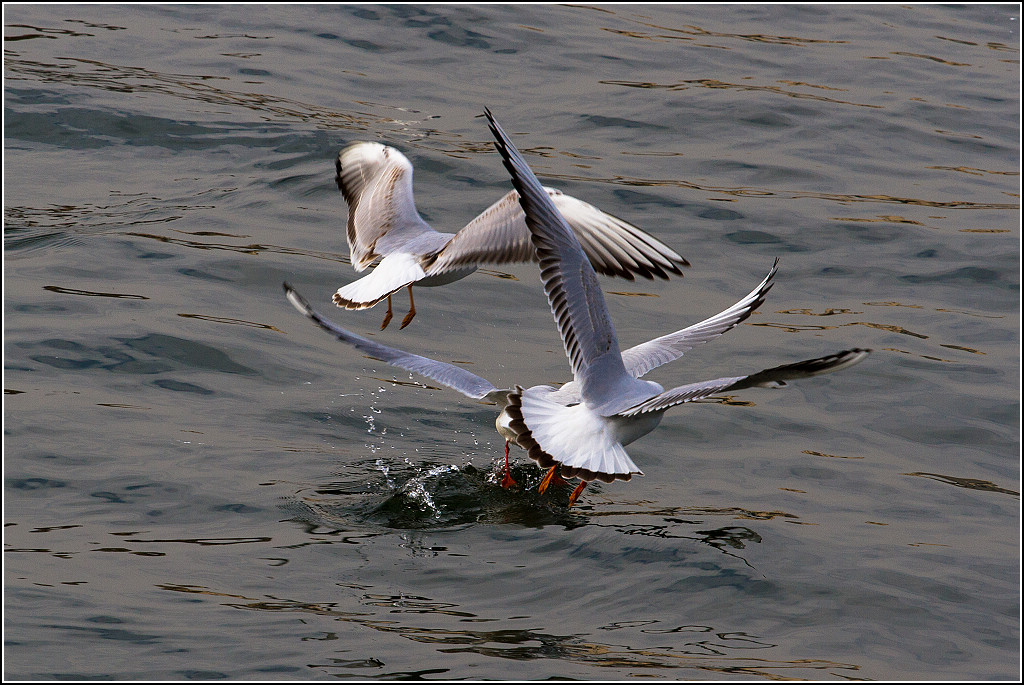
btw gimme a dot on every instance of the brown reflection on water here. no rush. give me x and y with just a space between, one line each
969 483
888 327
236 322
828 312
91 293
974 171
831 456
792 328
930 57
690 32
798 328
702 648
882 218
40 32
893 304
961 348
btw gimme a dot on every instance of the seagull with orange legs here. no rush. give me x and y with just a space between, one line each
579 429
383 224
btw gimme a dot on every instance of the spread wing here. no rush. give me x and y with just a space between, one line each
775 377
613 246
376 181
449 375
571 285
649 355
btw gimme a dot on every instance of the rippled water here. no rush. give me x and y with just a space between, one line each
201 485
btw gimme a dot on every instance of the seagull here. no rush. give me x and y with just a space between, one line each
579 430
383 224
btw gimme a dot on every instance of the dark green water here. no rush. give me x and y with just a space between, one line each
201 485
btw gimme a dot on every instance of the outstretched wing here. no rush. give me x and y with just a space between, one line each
449 375
776 377
570 283
769 378
613 246
649 355
376 181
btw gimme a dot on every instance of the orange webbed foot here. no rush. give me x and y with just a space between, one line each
407 319
549 478
576 493
412 311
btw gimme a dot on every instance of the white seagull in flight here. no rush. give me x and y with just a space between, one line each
579 429
383 224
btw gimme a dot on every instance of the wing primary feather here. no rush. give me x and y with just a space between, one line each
642 358
449 375
775 377
570 282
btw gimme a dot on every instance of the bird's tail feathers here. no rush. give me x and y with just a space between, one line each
578 440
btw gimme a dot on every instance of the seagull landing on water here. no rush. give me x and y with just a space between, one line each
383 224
579 430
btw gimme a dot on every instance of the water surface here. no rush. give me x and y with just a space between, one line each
201 485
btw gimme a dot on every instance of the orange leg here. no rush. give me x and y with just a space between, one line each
576 493
387 317
412 310
507 481
551 477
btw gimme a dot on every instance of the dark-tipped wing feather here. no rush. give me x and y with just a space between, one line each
574 294
769 378
613 246
649 355
449 375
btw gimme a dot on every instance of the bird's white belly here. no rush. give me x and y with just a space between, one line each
630 428
504 429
